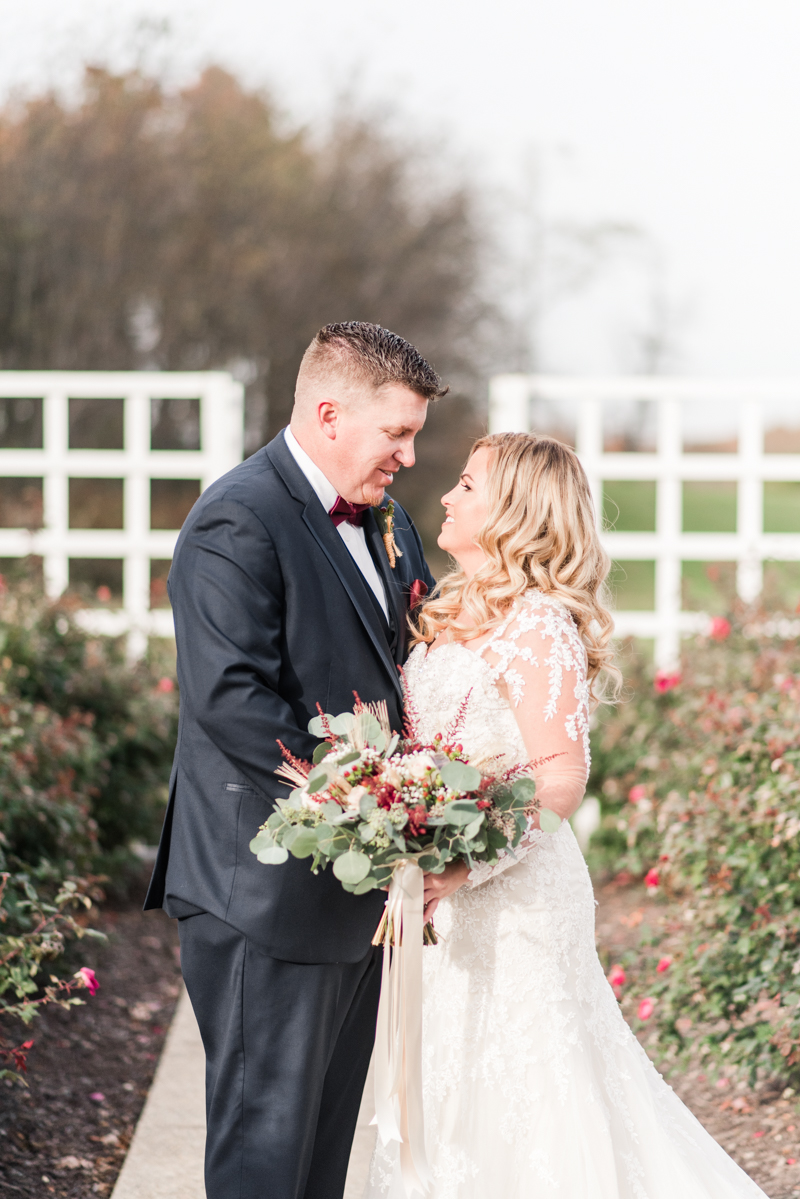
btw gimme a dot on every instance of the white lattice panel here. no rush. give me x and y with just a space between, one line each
512 400
221 447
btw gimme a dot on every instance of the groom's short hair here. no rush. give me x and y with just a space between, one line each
367 355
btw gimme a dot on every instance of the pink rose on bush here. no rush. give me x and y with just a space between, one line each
719 629
616 976
89 979
166 684
636 793
666 680
645 1010
651 879
663 964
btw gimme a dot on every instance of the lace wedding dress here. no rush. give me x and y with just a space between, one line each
534 1086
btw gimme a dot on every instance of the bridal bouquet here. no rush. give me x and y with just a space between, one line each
370 800
384 810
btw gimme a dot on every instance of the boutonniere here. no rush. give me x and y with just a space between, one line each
385 518
416 593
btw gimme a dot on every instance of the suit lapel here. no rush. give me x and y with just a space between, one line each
324 533
394 596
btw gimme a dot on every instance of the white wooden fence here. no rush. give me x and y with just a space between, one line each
45 455
756 428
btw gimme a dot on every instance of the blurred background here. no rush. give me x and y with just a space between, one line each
582 188
540 196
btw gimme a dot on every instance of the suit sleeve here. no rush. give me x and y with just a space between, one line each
228 627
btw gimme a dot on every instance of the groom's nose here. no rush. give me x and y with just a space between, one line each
405 452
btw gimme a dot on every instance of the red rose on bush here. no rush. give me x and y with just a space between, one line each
616 976
666 680
646 1009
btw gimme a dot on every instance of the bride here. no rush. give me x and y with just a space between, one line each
534 1086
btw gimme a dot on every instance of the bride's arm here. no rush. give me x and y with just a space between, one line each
540 666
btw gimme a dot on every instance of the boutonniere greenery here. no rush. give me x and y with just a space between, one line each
385 518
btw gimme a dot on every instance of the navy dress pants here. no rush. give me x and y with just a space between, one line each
287 1052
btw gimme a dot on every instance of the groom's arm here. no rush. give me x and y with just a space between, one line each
228 597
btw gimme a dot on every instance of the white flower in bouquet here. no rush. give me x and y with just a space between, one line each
417 765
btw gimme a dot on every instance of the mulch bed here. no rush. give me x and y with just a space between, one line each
89 1071
66 1134
758 1127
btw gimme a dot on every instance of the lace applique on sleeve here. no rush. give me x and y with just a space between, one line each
539 656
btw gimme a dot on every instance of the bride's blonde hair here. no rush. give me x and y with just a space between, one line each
540 532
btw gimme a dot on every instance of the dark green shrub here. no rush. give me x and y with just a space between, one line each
131 710
713 770
86 745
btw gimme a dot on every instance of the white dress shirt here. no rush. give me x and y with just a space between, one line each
352 535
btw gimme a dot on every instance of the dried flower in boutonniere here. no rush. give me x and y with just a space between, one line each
385 519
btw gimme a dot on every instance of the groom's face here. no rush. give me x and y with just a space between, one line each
372 438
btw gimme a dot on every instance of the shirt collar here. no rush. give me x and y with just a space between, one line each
325 491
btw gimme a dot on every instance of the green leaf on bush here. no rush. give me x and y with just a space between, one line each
460 777
351 867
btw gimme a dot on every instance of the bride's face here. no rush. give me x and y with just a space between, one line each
466 513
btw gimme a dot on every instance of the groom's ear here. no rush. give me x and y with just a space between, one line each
329 416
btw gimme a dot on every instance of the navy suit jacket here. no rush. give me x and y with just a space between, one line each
272 617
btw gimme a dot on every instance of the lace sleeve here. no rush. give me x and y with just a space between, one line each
538 662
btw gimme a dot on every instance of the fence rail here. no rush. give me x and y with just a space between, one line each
69 432
681 436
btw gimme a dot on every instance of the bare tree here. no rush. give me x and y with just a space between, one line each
190 230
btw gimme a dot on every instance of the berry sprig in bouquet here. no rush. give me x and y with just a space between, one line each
370 800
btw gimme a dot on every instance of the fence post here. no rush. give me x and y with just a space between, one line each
509 404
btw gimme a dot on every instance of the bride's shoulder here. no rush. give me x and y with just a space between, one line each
545 614
540 605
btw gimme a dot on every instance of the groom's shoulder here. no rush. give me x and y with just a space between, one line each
254 484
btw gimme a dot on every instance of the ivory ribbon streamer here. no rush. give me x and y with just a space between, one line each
398 1044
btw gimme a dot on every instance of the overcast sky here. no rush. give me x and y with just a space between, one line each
681 116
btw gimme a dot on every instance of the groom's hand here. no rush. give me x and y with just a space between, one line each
439 886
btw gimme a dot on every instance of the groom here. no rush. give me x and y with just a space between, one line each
284 597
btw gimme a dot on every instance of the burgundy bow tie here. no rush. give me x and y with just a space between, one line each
344 510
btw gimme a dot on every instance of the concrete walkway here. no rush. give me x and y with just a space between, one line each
165 1160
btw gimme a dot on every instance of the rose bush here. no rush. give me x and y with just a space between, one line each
85 747
702 798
